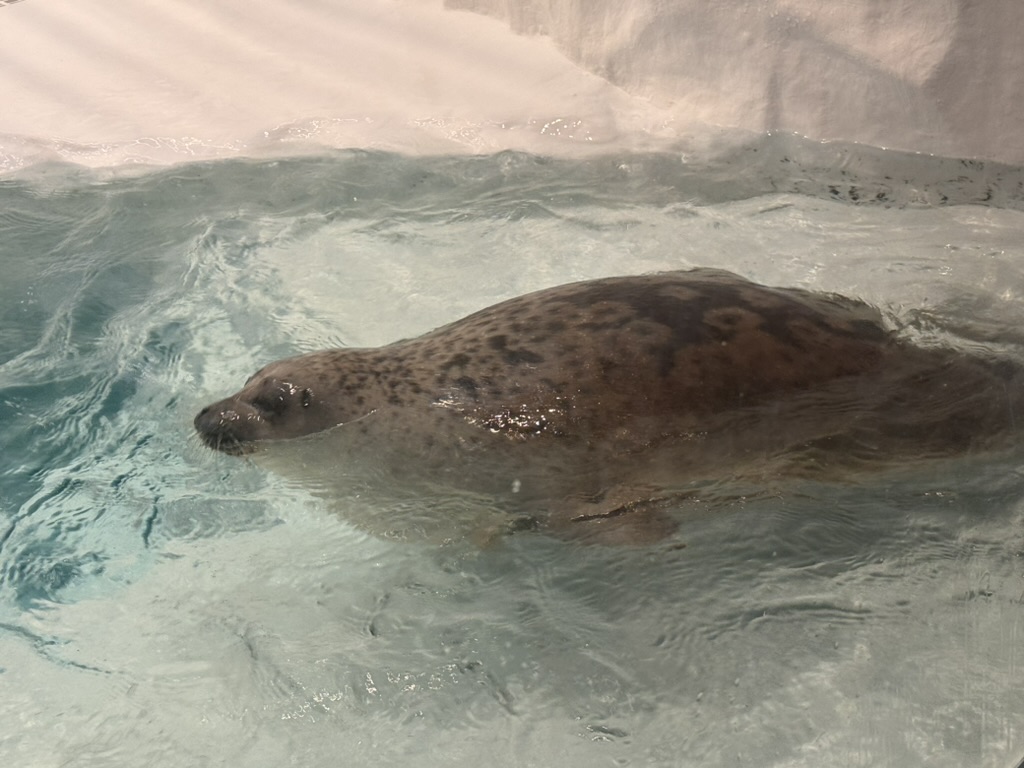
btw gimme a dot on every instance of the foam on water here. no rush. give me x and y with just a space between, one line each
164 604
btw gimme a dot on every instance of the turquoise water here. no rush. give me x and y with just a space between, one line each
161 603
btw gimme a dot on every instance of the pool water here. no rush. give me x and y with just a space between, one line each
164 605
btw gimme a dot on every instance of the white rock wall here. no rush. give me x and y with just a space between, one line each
108 82
939 76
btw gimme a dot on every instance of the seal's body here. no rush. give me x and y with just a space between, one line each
610 390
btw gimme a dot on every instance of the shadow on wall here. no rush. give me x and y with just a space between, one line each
937 76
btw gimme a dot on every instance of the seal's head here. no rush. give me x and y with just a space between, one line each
283 400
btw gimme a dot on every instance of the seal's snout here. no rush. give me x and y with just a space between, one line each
207 421
222 428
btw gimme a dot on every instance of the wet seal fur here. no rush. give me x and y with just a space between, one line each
589 402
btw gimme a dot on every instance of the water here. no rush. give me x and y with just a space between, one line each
161 604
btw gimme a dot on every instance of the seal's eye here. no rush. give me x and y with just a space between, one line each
307 397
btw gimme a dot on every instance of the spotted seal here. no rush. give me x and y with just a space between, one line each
609 391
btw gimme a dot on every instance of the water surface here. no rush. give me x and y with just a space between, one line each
163 604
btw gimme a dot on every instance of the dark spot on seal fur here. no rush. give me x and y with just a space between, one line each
512 356
468 387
